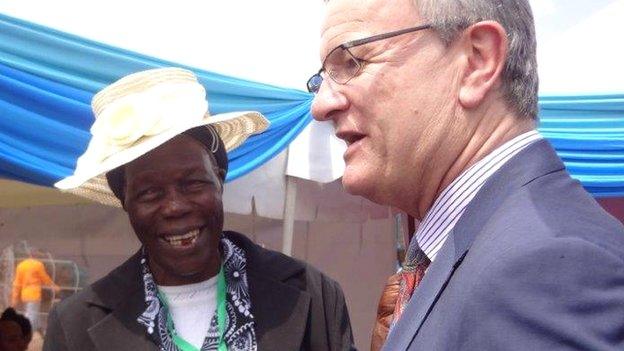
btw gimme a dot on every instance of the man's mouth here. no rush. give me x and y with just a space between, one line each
350 137
182 240
353 139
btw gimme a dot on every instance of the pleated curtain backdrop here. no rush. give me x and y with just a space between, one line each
47 79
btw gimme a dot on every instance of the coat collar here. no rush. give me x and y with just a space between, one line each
280 309
121 294
535 161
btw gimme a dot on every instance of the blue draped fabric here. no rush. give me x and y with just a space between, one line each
47 79
588 134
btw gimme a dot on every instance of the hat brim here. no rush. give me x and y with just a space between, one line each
233 128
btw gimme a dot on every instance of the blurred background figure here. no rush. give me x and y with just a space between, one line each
64 278
30 276
15 331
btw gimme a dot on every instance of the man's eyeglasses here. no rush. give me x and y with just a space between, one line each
341 65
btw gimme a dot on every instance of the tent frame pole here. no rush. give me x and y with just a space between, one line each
289 215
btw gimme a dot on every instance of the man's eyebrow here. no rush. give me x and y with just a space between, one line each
195 170
325 49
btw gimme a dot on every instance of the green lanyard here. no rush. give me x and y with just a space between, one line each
221 309
184 345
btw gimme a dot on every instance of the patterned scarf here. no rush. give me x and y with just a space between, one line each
239 322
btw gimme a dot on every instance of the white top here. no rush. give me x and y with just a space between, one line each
452 202
192 307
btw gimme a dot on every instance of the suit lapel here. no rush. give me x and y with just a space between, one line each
424 298
535 161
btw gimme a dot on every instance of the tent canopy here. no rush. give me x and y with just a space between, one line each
42 87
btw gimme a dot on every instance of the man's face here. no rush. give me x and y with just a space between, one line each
173 200
397 114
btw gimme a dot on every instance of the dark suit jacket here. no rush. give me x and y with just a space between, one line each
295 308
533 264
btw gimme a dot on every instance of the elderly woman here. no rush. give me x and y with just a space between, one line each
192 286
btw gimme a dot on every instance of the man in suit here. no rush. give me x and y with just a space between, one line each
437 103
158 153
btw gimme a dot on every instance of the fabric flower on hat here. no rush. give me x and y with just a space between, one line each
144 114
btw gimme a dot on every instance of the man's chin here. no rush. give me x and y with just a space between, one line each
356 184
349 185
364 187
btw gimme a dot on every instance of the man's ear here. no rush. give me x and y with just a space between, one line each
485 47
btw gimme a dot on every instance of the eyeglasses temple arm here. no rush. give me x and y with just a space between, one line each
383 36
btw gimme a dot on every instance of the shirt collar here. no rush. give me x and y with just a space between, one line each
453 200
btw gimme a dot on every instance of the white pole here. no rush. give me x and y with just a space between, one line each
289 215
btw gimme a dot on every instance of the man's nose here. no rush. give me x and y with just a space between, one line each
327 101
175 205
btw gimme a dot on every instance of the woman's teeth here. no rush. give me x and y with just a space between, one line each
182 240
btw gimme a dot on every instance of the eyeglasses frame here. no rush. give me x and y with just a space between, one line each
353 43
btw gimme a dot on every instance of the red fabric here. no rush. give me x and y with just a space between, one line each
395 297
409 281
385 308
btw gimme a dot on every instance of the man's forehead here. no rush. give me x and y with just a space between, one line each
340 22
352 19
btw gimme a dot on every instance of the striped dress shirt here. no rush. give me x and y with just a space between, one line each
452 202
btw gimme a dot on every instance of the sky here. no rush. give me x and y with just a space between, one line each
276 41
579 46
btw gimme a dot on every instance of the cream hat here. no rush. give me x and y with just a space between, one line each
142 111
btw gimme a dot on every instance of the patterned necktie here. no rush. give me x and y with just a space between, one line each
416 263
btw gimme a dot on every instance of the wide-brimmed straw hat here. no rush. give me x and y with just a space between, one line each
142 111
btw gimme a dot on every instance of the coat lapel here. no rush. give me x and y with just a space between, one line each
280 313
120 330
125 301
279 307
535 161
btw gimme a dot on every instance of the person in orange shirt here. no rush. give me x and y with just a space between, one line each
30 276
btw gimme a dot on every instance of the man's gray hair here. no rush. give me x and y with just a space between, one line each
519 77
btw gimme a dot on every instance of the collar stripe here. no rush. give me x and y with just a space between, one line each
452 202
469 183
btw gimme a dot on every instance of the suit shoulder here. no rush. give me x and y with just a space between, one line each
566 266
555 209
